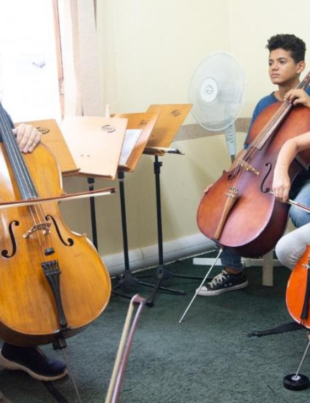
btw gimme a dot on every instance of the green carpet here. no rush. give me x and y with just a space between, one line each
207 358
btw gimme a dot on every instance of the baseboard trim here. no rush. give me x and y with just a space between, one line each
148 257
247 262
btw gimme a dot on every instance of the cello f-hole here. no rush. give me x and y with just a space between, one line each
267 189
5 252
69 240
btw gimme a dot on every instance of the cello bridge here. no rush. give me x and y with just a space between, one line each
44 227
247 167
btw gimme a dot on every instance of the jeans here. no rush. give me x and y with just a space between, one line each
299 218
230 259
291 247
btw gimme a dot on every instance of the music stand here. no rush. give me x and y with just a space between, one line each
167 126
144 122
53 138
96 144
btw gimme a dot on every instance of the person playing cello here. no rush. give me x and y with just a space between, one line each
286 63
30 359
291 246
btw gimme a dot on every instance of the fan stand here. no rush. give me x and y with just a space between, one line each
297 381
162 273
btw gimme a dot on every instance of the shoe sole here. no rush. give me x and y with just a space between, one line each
222 291
11 365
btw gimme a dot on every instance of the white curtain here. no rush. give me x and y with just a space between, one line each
82 95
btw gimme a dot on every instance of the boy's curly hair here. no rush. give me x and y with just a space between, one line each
295 45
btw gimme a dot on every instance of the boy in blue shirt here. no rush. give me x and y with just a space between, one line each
286 63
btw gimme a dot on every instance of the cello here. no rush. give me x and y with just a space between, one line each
298 291
53 283
238 211
298 306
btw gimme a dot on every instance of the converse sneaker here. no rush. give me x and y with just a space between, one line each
223 282
33 361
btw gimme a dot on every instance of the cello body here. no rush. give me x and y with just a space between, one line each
298 291
31 310
255 220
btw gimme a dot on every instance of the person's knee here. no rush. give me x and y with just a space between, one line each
283 252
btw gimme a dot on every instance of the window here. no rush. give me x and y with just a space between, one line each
29 69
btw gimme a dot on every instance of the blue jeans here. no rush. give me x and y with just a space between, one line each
299 218
230 259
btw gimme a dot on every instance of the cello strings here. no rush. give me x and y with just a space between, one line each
274 120
20 170
22 175
264 133
252 149
281 110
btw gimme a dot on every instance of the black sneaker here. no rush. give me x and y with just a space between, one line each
33 361
223 282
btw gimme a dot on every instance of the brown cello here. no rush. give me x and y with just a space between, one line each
298 291
298 306
239 211
53 282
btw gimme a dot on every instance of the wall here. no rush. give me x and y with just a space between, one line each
252 23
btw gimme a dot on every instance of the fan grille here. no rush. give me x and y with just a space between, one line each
217 91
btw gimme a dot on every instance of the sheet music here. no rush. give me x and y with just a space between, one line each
131 138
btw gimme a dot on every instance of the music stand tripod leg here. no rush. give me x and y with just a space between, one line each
91 182
162 274
127 279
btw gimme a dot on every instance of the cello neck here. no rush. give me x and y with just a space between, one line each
270 128
19 167
305 82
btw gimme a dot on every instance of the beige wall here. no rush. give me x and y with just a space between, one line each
252 22
148 52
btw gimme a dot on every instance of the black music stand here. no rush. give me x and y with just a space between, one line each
162 274
127 280
143 122
95 150
91 182
169 122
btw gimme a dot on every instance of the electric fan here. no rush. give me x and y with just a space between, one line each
217 92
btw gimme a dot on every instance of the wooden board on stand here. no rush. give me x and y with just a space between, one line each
95 143
54 139
143 122
167 126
